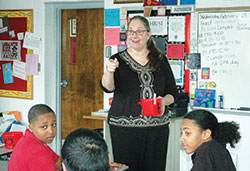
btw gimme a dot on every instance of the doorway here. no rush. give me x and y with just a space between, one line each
82 68
52 55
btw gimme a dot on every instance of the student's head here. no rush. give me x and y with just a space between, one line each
199 126
42 123
85 150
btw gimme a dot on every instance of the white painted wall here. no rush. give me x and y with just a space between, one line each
222 3
110 4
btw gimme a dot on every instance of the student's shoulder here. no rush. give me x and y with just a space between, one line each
204 147
27 152
210 147
29 143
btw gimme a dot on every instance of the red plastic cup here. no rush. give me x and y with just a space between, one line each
10 139
151 108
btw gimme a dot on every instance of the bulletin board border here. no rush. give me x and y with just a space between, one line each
28 14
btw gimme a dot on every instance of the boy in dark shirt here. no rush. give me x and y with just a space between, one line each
85 149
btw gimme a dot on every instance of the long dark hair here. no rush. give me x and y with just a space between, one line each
155 55
222 132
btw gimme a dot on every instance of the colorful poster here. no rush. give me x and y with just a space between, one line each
187 2
178 71
205 73
159 2
7 73
204 98
112 17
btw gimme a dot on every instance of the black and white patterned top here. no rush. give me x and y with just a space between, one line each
134 82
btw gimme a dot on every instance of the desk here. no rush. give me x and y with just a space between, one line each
94 117
4 151
4 157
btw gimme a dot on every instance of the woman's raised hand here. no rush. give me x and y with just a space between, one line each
112 64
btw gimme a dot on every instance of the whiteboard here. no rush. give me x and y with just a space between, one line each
224 44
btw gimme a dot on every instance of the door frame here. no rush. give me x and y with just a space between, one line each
52 56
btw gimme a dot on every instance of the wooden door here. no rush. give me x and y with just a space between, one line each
82 95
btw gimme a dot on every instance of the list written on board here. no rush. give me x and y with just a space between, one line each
220 38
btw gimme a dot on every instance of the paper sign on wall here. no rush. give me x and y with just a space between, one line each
176 29
32 64
7 73
158 25
112 36
31 41
19 70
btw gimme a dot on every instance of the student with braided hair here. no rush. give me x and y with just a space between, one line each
206 138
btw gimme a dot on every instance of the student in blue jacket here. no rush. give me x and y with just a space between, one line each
206 138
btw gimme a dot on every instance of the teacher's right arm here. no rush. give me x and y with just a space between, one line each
108 76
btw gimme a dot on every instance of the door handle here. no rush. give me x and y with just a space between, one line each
64 83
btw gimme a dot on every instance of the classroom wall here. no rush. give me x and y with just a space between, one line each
221 3
108 4
23 105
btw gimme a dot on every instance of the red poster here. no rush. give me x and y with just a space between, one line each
175 51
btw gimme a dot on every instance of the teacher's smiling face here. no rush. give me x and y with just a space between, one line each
137 35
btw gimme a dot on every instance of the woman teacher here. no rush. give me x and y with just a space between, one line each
136 73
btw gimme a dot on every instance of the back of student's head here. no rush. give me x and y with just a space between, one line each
38 110
85 150
222 132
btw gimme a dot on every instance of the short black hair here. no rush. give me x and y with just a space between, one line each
85 150
38 110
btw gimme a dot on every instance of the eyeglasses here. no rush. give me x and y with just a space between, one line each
137 32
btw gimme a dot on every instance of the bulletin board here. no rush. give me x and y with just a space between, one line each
19 21
172 40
